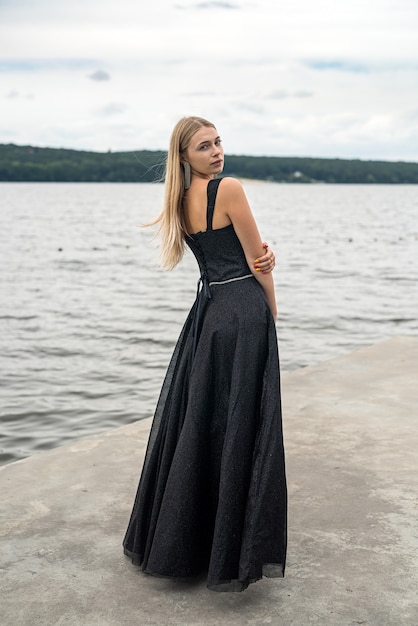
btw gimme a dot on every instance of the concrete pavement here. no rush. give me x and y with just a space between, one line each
351 436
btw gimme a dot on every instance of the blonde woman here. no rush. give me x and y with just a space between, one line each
212 495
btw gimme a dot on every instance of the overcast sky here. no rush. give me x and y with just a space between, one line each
303 77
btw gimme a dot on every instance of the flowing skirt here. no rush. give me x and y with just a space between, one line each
212 495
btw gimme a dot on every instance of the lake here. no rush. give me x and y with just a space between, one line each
88 321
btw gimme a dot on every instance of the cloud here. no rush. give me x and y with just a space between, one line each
198 94
252 108
35 65
99 76
245 61
216 5
13 94
241 64
337 65
281 94
303 94
409 117
113 108
362 67
211 4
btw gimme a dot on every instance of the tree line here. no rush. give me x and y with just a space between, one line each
29 163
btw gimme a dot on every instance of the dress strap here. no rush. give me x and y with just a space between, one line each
212 191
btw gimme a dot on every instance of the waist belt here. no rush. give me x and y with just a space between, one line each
203 289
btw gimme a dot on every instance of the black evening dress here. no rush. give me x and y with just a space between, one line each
212 495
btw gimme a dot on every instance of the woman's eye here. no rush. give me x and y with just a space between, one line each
205 146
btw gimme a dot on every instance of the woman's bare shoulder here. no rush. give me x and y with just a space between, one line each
231 187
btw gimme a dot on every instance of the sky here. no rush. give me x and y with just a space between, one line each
316 78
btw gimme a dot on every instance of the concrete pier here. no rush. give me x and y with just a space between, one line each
351 436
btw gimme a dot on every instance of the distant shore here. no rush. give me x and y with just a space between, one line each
33 164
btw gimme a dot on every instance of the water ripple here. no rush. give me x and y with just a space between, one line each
88 321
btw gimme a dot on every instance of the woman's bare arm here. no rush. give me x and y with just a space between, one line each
234 203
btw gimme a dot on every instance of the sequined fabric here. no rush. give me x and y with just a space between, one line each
212 494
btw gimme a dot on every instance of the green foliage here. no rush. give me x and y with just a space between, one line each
27 163
307 170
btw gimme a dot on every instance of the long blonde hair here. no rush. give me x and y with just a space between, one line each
171 228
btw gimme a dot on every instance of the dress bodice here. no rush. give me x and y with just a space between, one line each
218 251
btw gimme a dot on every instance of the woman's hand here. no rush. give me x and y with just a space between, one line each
265 264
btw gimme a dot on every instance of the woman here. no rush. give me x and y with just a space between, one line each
212 494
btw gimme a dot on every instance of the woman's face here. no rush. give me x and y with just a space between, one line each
205 153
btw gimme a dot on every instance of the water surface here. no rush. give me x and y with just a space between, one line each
88 321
